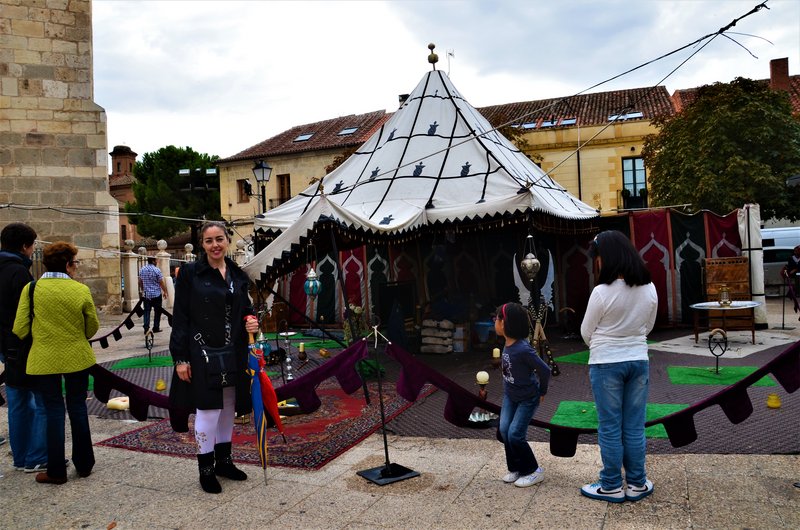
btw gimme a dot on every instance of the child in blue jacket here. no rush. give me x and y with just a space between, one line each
525 380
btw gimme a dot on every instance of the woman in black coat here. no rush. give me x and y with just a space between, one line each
212 308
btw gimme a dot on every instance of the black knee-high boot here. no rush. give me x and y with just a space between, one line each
224 463
208 480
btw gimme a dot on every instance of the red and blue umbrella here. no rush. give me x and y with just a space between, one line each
265 401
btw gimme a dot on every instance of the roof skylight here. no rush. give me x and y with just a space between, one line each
303 137
628 116
347 130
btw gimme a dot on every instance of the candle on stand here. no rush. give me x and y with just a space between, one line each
496 358
302 347
482 378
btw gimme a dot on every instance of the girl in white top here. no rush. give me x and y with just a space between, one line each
621 312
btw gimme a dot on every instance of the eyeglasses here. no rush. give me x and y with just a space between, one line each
75 262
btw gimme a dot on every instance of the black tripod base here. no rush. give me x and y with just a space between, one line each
387 474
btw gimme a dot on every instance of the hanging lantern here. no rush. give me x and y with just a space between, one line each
312 285
529 264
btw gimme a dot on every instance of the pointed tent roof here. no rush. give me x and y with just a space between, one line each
436 161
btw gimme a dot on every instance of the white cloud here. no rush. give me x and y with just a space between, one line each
222 76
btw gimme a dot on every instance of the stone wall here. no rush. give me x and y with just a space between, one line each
53 149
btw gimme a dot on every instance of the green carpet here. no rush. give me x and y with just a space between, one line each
583 414
581 357
142 362
310 342
156 361
702 375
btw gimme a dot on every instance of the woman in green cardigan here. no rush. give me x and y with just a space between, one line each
64 319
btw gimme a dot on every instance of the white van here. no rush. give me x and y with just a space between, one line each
775 259
778 245
780 237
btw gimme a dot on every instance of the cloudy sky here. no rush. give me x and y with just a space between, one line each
220 76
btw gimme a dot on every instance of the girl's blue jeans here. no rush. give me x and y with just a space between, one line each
514 420
620 393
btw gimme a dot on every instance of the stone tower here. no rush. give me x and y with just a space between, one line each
120 183
53 153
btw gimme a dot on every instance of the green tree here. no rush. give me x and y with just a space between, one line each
736 143
161 188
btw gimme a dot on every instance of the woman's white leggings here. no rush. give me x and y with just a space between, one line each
215 426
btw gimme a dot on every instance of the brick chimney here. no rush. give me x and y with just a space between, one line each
779 74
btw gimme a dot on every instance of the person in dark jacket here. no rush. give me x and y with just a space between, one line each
26 413
212 307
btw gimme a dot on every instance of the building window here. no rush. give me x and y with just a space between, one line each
244 189
633 175
119 166
634 183
629 116
303 137
347 130
284 188
124 234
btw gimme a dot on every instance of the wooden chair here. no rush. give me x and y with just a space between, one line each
733 273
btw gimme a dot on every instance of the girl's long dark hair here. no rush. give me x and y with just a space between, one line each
619 259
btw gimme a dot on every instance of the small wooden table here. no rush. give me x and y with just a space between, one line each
715 306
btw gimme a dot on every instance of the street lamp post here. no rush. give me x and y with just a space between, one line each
262 172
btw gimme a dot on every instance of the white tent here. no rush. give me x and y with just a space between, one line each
435 161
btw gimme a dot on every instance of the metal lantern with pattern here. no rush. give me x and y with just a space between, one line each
312 285
529 265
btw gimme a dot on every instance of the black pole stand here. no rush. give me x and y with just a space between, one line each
389 472
783 305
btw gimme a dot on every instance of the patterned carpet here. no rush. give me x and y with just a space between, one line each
313 439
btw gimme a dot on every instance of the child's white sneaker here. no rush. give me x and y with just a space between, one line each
529 480
510 477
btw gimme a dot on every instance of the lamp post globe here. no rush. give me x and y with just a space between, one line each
262 171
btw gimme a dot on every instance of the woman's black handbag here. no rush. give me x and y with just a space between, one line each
215 365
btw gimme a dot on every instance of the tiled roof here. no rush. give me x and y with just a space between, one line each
324 135
683 97
589 109
120 180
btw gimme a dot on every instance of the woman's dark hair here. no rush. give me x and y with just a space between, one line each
619 259
58 255
212 224
515 320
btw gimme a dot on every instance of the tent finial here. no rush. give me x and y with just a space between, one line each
432 58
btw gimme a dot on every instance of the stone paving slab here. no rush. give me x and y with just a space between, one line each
459 487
